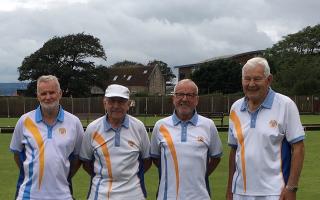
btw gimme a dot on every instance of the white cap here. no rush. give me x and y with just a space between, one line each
116 90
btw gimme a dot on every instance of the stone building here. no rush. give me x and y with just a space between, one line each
139 79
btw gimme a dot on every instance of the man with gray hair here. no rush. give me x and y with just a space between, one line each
266 140
115 150
185 147
46 144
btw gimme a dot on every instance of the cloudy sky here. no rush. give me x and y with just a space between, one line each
175 31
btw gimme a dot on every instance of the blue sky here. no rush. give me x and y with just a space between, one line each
175 31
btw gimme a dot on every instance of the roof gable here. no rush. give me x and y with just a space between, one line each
130 76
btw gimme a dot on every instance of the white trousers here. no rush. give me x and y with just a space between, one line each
246 197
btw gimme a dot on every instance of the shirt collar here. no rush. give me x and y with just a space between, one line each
267 103
107 125
193 120
60 116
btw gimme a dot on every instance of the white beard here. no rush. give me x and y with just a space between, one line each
50 108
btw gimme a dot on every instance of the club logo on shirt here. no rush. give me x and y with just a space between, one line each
200 139
131 143
273 123
62 131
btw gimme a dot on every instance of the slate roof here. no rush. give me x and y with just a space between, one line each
130 76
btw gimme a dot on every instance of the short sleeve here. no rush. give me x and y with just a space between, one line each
79 135
155 148
16 144
145 143
86 150
294 129
215 148
232 141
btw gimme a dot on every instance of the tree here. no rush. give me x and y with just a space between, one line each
295 62
165 70
219 76
102 75
126 63
68 58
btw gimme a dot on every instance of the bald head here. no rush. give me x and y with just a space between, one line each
186 82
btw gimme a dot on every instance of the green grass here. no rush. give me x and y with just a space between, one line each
308 187
150 121
310 119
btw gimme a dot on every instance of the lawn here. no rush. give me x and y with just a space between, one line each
150 121
308 187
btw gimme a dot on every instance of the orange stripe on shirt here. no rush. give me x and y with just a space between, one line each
37 136
237 124
100 140
168 138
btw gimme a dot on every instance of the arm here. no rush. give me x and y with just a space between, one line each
74 166
88 167
156 162
295 170
212 164
17 160
232 169
146 164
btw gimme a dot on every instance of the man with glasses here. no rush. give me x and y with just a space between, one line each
115 150
266 139
185 147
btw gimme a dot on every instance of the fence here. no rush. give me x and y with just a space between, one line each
162 105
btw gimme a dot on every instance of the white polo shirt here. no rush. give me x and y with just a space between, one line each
45 152
184 149
263 144
117 155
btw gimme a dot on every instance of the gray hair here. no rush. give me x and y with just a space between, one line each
47 78
257 61
185 81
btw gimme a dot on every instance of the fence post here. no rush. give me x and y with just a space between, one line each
312 110
161 104
211 103
146 106
72 109
89 110
24 105
8 107
228 104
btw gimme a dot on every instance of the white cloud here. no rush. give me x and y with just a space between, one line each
11 5
174 31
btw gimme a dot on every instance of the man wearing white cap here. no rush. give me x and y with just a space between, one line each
115 150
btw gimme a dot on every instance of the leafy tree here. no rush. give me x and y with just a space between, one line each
101 76
126 63
166 71
219 76
295 61
67 58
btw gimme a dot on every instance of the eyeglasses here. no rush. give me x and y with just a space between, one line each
188 95
254 79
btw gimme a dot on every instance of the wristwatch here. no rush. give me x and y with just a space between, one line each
292 188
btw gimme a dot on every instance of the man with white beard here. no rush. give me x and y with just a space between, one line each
46 144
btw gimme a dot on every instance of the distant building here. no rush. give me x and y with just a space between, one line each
185 71
12 89
139 79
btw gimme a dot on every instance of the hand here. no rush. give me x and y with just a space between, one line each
287 195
